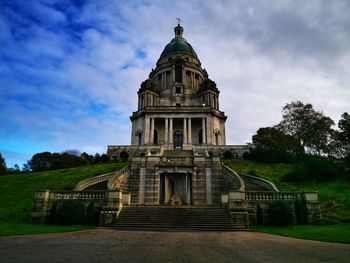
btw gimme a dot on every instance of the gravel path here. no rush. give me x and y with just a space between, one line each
109 245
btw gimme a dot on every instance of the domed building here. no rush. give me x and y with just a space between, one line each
178 105
178 133
175 177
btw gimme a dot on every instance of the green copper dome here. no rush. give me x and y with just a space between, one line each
178 45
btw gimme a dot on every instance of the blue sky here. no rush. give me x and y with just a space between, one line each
70 70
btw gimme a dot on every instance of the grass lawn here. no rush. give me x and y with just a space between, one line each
17 191
330 233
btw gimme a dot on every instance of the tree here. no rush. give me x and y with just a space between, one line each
87 157
3 169
271 145
97 158
41 162
343 135
311 129
25 168
270 138
104 158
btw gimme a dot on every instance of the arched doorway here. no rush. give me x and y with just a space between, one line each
178 139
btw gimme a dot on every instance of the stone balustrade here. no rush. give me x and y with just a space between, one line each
177 160
78 195
228 172
259 181
272 196
98 179
109 202
305 206
112 182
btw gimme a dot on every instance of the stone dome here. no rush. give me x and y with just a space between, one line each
178 45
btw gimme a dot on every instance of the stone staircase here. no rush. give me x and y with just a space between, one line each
176 218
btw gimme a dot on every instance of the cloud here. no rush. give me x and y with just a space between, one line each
70 70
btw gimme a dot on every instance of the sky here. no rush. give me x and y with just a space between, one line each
70 70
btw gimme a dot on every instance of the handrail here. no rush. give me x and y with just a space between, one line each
94 180
262 181
235 175
113 180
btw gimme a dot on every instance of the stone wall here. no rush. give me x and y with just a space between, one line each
114 151
109 202
305 206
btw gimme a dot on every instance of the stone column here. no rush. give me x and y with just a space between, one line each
142 186
189 131
147 128
171 131
208 184
152 131
166 133
204 131
185 130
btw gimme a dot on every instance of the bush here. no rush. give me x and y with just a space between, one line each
70 212
252 172
269 156
92 214
52 215
280 214
246 156
124 156
313 168
227 155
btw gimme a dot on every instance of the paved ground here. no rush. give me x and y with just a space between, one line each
107 245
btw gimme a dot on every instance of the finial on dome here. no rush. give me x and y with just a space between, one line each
178 29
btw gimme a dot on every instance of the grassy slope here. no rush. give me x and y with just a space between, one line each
16 195
334 195
334 199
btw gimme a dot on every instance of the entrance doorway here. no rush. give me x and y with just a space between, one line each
178 139
175 186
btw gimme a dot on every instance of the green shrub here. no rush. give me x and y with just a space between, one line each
52 215
70 212
313 168
252 172
227 155
92 214
124 156
270 156
280 214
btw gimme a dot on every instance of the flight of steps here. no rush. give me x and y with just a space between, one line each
175 218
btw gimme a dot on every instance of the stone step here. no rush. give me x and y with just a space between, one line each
201 218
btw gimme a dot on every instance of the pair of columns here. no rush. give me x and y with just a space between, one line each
187 130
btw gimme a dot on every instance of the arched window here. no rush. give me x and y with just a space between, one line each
178 73
140 139
139 136
217 134
178 139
